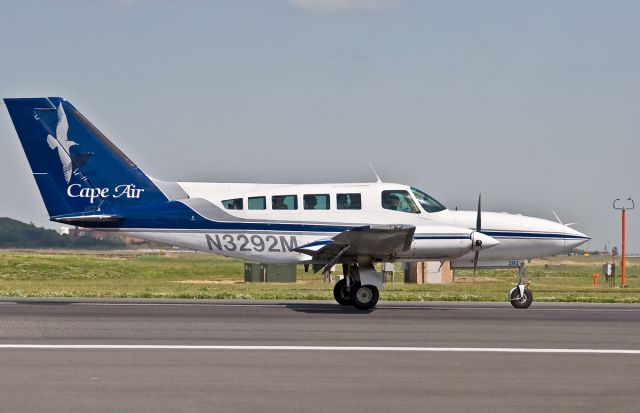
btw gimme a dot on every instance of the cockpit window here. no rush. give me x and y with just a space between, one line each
399 200
428 203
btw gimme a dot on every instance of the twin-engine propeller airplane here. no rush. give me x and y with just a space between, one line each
85 180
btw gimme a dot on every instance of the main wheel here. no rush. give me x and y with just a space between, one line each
521 301
341 293
364 297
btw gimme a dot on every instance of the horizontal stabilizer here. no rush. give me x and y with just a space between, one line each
85 220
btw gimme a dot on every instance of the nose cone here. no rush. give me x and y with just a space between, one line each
573 238
485 240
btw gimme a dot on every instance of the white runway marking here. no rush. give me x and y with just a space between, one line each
318 348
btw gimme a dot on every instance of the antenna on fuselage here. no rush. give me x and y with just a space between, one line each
560 221
378 180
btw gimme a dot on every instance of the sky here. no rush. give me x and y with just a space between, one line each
534 104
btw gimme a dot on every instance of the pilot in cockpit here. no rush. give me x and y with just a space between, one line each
391 201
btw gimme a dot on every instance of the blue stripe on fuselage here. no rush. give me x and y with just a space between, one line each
177 216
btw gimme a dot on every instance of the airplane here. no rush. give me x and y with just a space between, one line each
85 180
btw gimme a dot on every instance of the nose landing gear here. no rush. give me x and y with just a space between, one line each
520 296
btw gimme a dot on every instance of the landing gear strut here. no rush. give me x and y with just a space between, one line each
520 296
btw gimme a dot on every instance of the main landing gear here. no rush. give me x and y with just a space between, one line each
520 296
347 291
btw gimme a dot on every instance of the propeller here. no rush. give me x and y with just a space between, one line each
477 243
480 241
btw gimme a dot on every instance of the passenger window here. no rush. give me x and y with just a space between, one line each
316 201
284 202
257 202
232 203
349 201
398 200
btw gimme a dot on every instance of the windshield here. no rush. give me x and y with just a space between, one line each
427 202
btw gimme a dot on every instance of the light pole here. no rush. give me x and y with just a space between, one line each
624 235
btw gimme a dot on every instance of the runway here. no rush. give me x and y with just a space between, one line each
246 356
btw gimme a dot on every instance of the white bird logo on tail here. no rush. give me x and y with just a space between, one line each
63 144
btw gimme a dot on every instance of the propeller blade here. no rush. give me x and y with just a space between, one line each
478 244
475 263
479 218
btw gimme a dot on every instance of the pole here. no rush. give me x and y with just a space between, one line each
624 248
624 236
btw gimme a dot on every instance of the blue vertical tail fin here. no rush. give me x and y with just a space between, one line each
77 169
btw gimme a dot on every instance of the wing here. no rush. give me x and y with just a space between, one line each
63 125
53 143
67 167
375 241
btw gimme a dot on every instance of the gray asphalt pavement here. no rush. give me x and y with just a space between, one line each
311 372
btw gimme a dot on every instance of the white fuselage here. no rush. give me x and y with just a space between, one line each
262 232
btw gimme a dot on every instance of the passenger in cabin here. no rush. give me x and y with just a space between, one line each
349 201
277 202
310 202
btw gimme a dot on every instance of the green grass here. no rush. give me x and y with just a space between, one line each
134 274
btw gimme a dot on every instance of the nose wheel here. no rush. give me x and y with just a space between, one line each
521 297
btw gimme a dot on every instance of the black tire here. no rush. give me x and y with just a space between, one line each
341 293
521 302
364 297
